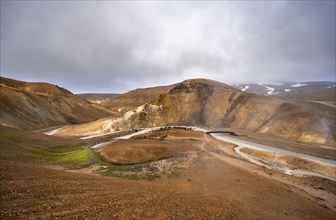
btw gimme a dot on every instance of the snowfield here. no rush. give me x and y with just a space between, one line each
298 85
270 90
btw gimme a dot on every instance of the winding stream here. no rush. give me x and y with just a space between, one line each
261 147
241 144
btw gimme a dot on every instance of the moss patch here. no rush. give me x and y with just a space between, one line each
79 157
74 155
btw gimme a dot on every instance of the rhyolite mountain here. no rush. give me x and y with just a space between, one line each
32 106
207 103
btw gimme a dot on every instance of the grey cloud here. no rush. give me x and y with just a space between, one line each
109 46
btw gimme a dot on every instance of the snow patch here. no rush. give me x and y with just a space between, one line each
240 87
298 85
245 88
101 144
270 90
99 135
144 131
53 131
287 90
276 84
204 130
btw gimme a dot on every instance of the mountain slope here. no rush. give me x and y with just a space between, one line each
309 91
208 103
37 105
134 98
98 98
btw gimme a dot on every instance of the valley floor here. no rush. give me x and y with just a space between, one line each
212 184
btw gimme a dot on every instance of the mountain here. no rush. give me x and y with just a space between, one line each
37 105
308 91
98 98
135 98
202 102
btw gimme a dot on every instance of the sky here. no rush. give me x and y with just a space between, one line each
116 46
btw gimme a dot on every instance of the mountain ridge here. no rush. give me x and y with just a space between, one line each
30 105
209 103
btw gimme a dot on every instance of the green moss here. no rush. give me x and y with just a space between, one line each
6 137
73 155
65 149
79 157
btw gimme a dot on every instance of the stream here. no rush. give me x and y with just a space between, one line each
240 144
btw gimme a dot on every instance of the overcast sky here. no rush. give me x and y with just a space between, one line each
110 46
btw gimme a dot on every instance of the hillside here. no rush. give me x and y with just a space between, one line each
202 102
134 98
172 172
38 105
98 98
308 91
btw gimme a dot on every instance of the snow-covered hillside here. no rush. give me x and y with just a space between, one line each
287 89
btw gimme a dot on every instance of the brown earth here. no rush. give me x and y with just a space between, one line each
134 98
139 151
38 105
293 162
317 94
202 102
318 150
215 185
141 148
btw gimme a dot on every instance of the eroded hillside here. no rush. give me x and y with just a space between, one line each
208 103
134 98
37 105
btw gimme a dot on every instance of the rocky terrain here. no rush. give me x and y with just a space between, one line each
64 157
40 179
212 104
38 105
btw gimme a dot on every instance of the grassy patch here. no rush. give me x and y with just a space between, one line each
6 137
74 155
79 157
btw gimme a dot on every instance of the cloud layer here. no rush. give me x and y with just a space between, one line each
108 46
